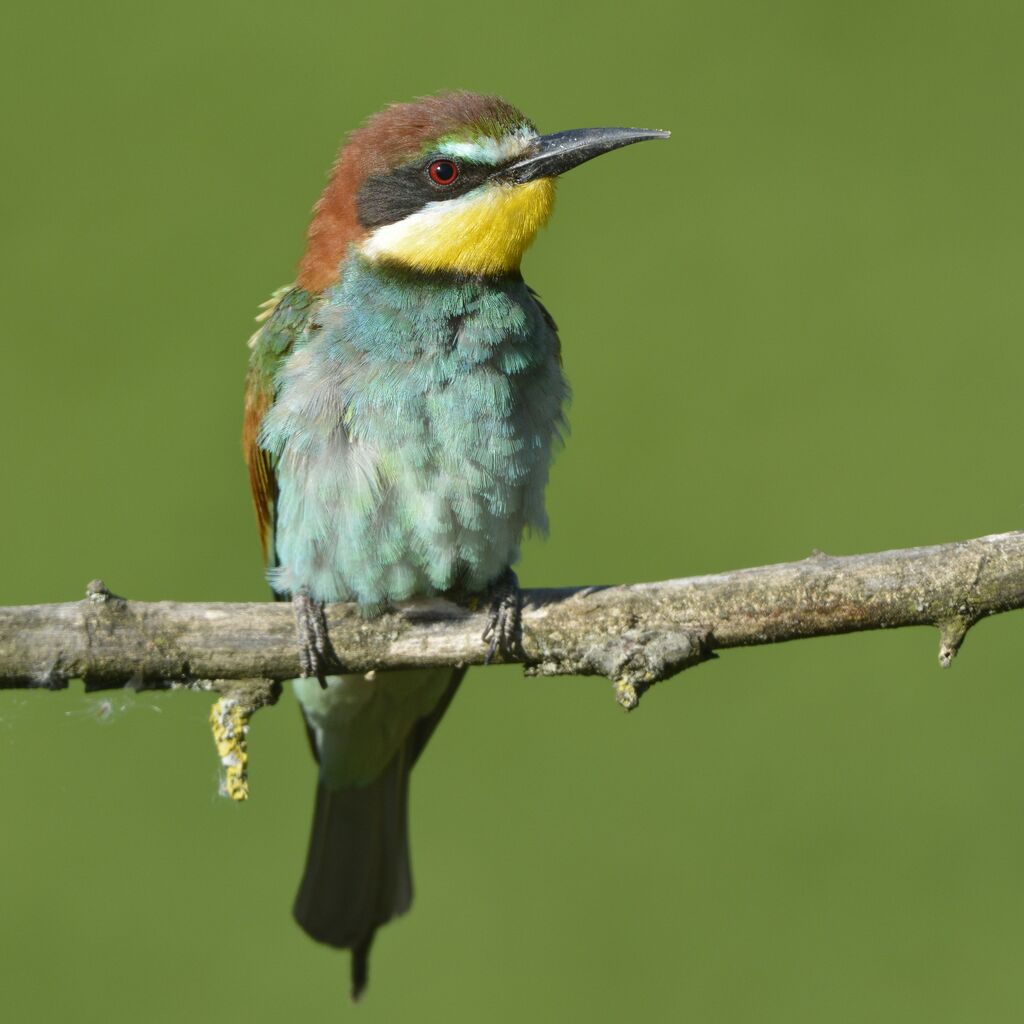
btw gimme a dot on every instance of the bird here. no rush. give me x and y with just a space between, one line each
403 402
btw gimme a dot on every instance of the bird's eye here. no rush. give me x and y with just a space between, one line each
443 172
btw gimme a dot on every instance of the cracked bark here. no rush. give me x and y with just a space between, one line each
635 635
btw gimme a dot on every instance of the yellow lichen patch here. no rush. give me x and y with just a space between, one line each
229 720
483 232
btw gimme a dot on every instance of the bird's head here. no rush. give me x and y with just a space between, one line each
456 182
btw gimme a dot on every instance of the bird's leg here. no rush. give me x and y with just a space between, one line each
311 633
504 630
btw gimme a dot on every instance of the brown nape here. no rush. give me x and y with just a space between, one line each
385 141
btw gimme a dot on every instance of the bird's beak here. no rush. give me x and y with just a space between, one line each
560 152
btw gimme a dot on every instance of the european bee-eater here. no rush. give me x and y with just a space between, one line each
402 404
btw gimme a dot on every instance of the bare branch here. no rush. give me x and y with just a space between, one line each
634 635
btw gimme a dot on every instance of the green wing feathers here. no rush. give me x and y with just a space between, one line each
282 318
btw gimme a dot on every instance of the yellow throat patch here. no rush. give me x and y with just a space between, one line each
485 231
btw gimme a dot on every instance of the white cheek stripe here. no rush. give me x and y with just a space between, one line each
487 150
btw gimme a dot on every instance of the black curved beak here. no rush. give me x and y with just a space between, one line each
560 152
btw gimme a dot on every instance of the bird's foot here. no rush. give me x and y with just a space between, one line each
311 632
504 630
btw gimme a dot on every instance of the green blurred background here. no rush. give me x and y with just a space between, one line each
795 326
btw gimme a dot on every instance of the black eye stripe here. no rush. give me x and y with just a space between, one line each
392 196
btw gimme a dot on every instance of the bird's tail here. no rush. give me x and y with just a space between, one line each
357 873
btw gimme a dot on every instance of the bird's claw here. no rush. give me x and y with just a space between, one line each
311 633
504 629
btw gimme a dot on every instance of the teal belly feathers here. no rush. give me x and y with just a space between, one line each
412 430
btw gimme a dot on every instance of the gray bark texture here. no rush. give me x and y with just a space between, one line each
634 635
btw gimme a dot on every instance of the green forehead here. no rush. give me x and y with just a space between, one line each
501 119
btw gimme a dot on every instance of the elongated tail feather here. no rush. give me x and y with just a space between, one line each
358 873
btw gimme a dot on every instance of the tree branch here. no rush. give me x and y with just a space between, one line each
634 635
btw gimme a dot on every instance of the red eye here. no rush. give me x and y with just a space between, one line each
443 172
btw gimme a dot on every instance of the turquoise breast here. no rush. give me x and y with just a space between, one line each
412 428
